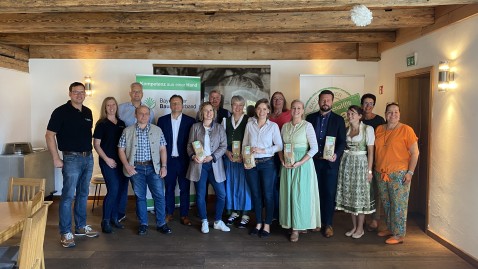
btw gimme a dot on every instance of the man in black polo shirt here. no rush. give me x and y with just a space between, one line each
71 125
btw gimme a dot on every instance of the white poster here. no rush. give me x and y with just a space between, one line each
347 90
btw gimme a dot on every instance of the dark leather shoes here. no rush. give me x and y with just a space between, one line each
329 231
106 227
117 225
164 229
254 231
169 218
185 221
143 229
263 233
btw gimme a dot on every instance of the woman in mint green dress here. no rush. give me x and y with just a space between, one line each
299 206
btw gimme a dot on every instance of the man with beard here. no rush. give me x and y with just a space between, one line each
327 123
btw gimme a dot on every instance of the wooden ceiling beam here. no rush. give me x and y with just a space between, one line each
214 23
170 38
445 16
40 6
199 52
12 57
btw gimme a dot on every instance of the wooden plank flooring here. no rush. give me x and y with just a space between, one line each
186 247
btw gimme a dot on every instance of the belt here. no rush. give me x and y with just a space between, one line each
143 163
262 160
76 153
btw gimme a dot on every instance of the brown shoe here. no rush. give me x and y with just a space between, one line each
185 221
169 218
394 240
329 231
384 233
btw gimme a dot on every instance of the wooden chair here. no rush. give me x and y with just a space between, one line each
30 252
35 203
24 189
33 236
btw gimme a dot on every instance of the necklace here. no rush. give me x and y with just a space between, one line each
387 135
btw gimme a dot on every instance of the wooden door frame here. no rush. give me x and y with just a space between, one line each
412 73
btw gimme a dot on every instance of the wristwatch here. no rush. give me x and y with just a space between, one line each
410 172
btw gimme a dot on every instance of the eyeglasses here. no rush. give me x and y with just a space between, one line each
78 92
368 104
277 99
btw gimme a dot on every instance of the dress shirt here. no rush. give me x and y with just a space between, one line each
175 123
321 131
267 137
126 112
143 149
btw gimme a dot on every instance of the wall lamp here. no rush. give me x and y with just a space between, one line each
446 76
88 89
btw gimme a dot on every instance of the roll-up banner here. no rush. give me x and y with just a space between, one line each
156 93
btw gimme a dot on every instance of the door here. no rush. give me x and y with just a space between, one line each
414 95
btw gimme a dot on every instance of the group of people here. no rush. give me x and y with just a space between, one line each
275 163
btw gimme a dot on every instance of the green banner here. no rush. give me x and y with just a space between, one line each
340 106
173 83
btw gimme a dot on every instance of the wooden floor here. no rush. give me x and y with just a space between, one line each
186 247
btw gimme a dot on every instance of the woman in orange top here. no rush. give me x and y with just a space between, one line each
396 156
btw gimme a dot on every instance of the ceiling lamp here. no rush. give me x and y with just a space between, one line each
361 15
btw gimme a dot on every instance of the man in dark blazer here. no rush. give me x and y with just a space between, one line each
217 102
176 127
327 123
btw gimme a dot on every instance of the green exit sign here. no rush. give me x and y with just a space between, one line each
412 59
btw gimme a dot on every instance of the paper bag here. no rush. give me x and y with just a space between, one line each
236 151
248 158
289 158
199 150
329 147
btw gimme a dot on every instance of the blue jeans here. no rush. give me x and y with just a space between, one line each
123 199
147 177
176 170
327 181
262 180
207 175
76 172
116 183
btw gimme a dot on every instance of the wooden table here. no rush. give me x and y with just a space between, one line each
12 216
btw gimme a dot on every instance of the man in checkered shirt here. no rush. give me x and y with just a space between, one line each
142 150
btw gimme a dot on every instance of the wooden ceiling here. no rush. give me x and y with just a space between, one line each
213 29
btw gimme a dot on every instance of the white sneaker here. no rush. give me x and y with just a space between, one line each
205 227
219 225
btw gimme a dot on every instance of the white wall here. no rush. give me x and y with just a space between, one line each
50 80
453 163
112 78
15 119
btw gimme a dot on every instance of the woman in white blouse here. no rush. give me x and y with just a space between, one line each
208 169
263 136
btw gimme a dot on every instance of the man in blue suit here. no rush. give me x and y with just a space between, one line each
175 128
327 123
